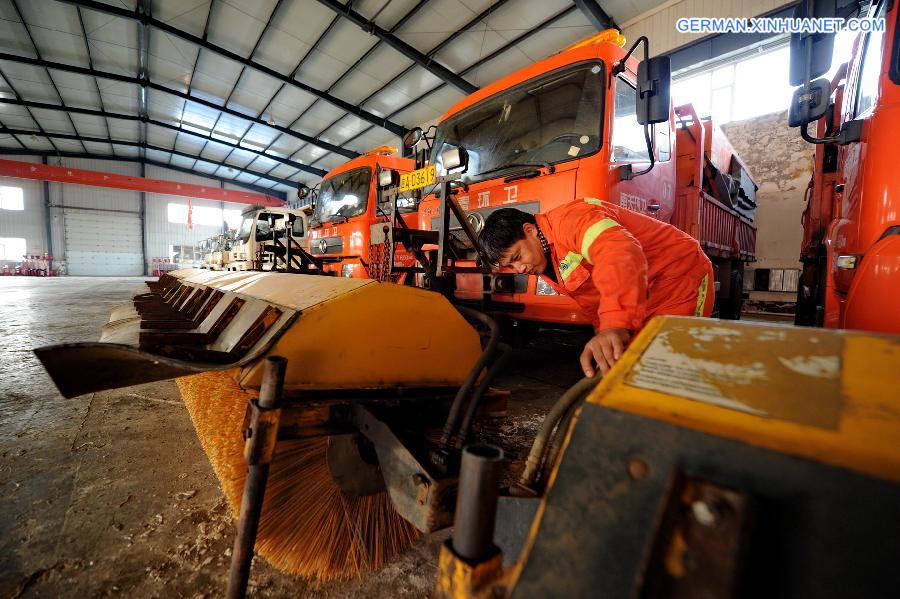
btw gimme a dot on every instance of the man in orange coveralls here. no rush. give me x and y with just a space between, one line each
621 267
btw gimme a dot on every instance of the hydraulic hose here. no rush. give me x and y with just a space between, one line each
572 396
486 358
505 351
555 445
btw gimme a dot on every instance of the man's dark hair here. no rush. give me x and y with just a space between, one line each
501 230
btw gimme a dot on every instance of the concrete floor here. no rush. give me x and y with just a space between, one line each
111 494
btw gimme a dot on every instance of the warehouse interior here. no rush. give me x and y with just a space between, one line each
167 169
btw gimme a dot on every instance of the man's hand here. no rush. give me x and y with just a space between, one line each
604 349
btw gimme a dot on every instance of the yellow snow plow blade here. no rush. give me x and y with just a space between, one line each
337 333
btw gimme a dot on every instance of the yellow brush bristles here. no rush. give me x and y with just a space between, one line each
308 526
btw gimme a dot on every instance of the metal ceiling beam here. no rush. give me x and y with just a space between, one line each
518 40
124 13
130 117
139 145
37 53
403 20
194 72
77 176
471 23
243 70
282 86
138 160
18 141
143 49
423 60
30 114
90 72
598 17
87 48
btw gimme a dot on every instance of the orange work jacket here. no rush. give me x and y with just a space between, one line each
622 267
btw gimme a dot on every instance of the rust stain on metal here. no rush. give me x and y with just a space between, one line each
772 372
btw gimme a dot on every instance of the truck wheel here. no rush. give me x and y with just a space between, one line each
730 307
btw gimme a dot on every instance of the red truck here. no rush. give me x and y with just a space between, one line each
851 242
567 127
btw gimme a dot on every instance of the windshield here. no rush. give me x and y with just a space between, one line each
243 234
550 119
343 195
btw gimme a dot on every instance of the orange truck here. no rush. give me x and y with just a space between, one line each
347 227
566 128
851 225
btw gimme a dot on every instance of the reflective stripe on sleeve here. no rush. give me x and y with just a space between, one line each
591 235
569 263
594 201
701 296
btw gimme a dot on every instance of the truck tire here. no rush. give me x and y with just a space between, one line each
730 307
810 308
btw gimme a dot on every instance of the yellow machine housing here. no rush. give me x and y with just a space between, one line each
337 333
717 459
831 396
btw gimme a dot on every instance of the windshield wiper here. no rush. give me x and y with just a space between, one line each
550 168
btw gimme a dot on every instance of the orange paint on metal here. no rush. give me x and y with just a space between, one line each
853 205
355 233
382 151
78 176
673 187
612 36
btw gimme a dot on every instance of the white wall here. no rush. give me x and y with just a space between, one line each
781 163
658 24
28 223
160 234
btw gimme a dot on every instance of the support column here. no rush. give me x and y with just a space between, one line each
48 218
144 250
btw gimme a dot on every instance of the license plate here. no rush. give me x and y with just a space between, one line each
417 179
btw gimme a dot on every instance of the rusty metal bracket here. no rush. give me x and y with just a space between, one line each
701 541
419 495
259 448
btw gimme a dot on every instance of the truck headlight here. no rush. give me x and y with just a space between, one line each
544 288
847 262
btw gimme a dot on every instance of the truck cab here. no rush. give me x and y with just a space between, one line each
348 216
264 232
205 248
562 129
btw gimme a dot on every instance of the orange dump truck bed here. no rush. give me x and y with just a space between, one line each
715 194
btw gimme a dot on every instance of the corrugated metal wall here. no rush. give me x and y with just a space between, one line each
659 24
160 232
98 228
27 223
90 222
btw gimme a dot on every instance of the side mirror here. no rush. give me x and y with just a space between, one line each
818 45
412 137
654 85
455 157
303 192
809 106
388 177
297 228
